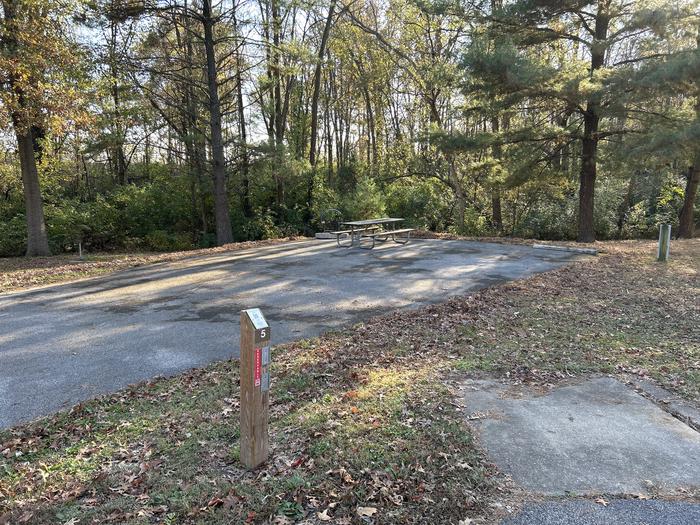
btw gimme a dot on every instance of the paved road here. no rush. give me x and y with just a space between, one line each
63 344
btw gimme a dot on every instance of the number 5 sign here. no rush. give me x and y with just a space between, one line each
255 386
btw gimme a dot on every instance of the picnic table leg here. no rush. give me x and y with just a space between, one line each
404 241
337 239
389 235
368 247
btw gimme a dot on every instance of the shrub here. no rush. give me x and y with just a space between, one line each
365 202
424 203
162 241
261 226
325 199
475 224
13 237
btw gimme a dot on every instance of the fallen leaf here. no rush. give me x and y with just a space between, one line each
366 512
323 516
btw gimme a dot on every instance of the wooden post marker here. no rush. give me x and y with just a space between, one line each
255 388
664 242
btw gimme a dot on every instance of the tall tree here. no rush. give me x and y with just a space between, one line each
686 227
239 43
317 82
224 232
189 69
38 65
316 95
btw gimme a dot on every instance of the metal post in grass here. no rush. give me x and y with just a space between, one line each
255 388
664 242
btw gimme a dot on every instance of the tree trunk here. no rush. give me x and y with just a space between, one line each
192 136
317 83
329 136
245 160
224 233
120 162
460 197
119 156
461 202
591 122
686 227
242 130
371 131
37 240
29 148
496 209
278 116
314 111
589 152
496 213
193 200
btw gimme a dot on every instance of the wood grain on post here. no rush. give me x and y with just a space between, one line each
254 390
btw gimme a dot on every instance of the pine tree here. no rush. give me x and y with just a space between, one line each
605 41
686 227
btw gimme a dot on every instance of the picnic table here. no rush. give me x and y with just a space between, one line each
381 230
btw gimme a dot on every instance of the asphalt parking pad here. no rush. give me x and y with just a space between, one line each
593 437
62 344
619 512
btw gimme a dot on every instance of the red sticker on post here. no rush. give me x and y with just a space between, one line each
258 366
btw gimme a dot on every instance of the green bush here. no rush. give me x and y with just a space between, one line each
13 237
475 224
365 202
325 199
163 241
94 224
423 203
553 218
261 226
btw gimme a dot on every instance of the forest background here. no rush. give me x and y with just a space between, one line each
170 125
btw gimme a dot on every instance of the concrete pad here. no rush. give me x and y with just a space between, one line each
594 437
618 512
681 409
63 344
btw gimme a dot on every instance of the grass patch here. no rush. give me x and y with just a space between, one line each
359 430
359 418
621 312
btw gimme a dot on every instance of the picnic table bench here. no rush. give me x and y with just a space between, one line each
380 230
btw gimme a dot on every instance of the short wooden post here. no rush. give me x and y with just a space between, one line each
664 242
255 387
